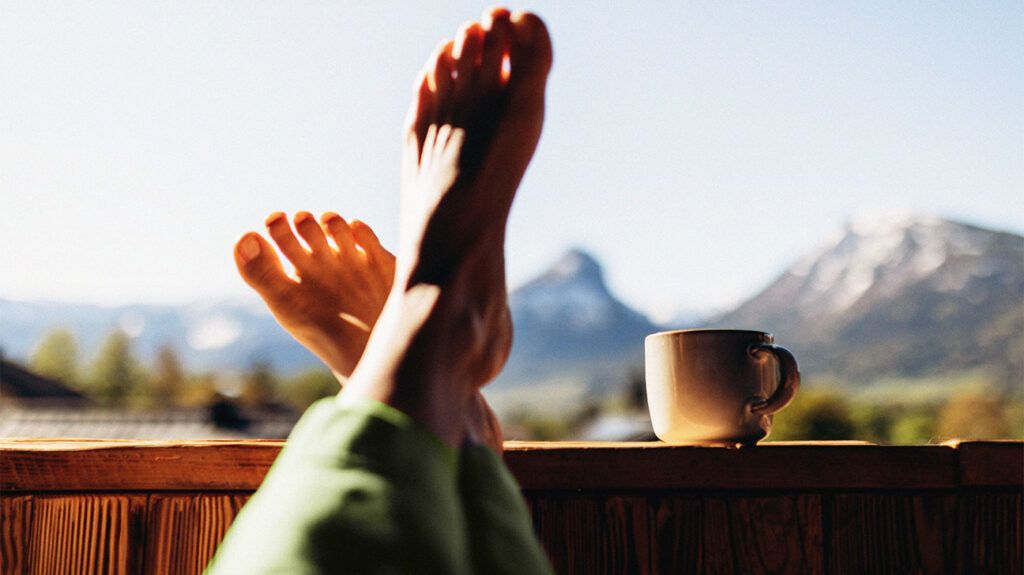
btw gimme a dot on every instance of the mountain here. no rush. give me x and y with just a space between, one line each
902 297
568 325
223 335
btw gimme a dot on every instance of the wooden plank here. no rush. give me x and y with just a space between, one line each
770 466
679 533
693 536
184 530
568 528
891 533
991 463
15 518
86 534
990 533
627 544
33 466
777 535
135 466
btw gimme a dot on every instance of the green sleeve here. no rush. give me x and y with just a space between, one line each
358 488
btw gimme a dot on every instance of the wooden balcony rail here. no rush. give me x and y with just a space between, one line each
84 506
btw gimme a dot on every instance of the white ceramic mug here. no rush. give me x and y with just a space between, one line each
716 384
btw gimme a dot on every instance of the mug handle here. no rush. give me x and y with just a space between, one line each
789 374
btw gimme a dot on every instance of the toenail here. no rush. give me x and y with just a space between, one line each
249 248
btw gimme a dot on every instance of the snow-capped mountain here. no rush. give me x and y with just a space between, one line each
568 324
899 296
896 297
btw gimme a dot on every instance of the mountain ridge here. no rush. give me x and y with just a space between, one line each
884 298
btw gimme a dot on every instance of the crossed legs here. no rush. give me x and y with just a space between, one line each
387 450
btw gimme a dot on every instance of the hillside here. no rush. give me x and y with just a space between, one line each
905 297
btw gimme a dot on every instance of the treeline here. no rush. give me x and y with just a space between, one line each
115 377
970 407
971 412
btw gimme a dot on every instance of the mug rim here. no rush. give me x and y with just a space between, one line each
700 330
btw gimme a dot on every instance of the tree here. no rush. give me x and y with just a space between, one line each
168 378
57 356
309 386
115 375
975 415
815 414
259 386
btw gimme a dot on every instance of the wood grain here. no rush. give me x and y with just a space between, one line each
990 533
162 507
679 533
15 518
86 534
135 466
786 467
184 530
891 533
241 466
991 463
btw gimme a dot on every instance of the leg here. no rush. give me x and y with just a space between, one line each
364 484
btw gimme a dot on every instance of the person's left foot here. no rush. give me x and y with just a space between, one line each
334 301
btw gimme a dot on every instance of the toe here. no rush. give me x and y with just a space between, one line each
366 239
340 232
530 52
281 232
259 265
312 233
497 35
441 81
466 53
421 111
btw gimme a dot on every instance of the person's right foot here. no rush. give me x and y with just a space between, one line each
446 328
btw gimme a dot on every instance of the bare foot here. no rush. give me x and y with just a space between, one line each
336 298
446 328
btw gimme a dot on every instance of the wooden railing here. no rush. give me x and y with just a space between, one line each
158 507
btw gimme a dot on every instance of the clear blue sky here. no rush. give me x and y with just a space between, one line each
696 148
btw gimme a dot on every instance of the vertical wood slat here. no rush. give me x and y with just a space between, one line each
990 533
676 533
891 533
777 534
15 518
185 529
88 534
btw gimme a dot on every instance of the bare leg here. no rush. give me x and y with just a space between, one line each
445 328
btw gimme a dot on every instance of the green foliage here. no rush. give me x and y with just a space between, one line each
915 426
815 415
522 425
259 386
1015 418
167 379
56 356
309 386
975 415
115 376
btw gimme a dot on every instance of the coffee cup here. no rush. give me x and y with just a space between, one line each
716 385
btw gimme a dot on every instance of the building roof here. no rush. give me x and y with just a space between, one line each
17 381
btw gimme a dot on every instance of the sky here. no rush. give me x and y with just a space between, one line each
695 148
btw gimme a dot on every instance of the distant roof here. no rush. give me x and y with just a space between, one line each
17 381
112 423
